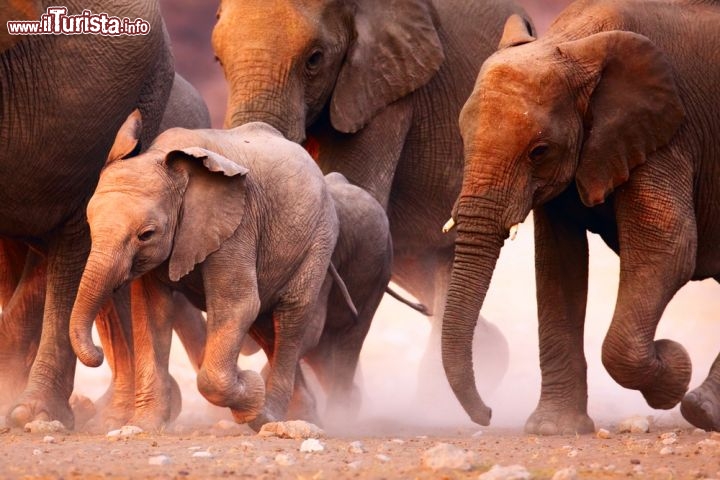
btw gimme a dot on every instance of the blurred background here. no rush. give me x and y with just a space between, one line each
391 357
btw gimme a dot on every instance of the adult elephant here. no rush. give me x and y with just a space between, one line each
608 124
374 88
62 100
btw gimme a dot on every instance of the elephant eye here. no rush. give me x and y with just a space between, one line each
539 151
146 235
314 61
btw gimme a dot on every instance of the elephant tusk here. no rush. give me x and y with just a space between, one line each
449 225
514 230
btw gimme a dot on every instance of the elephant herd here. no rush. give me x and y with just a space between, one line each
353 131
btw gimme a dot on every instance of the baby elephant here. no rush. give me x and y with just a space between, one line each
242 223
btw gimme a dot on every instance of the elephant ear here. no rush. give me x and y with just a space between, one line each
517 31
396 51
633 109
212 207
127 139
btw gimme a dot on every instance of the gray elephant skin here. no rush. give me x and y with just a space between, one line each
607 124
375 89
63 99
241 238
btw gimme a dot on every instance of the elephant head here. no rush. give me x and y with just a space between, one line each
546 116
177 205
353 57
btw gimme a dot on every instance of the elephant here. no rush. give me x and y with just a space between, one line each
241 222
374 90
19 10
127 402
606 124
63 98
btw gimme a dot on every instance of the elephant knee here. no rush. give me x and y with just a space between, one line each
240 390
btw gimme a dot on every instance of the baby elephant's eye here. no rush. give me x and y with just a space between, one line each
539 151
146 235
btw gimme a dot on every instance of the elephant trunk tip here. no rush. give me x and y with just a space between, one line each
89 354
481 415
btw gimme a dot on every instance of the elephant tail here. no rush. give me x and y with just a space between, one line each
418 307
343 289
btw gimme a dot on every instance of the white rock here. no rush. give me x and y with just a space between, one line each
284 459
566 474
159 460
668 441
477 434
202 454
446 456
604 434
398 441
356 447
668 435
291 429
37 451
666 451
382 457
635 424
261 459
311 445
41 426
48 439
126 431
513 472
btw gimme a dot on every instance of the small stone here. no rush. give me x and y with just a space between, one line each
159 460
195 448
202 454
382 457
48 439
666 451
356 447
604 434
699 431
573 453
297 429
566 474
284 459
446 456
311 445
635 424
262 459
512 472
634 461
354 465
398 441
668 441
708 444
37 451
477 434
41 426
126 431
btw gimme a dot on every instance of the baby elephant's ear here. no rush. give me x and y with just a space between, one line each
213 205
214 162
127 139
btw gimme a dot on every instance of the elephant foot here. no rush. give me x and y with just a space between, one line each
257 423
546 421
83 409
701 407
244 394
669 386
164 407
31 407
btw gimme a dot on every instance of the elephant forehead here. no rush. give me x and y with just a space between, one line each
290 27
132 177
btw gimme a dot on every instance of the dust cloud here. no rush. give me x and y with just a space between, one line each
392 356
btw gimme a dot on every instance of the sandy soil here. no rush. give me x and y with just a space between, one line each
664 453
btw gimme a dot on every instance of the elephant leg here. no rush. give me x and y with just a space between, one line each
233 304
114 328
20 320
701 406
50 382
189 325
561 269
157 397
658 241
303 405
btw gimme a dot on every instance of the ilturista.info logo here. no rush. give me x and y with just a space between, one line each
56 21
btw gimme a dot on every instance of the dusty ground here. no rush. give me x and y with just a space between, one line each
236 452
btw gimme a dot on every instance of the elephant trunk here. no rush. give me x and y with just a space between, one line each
97 284
480 236
276 104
